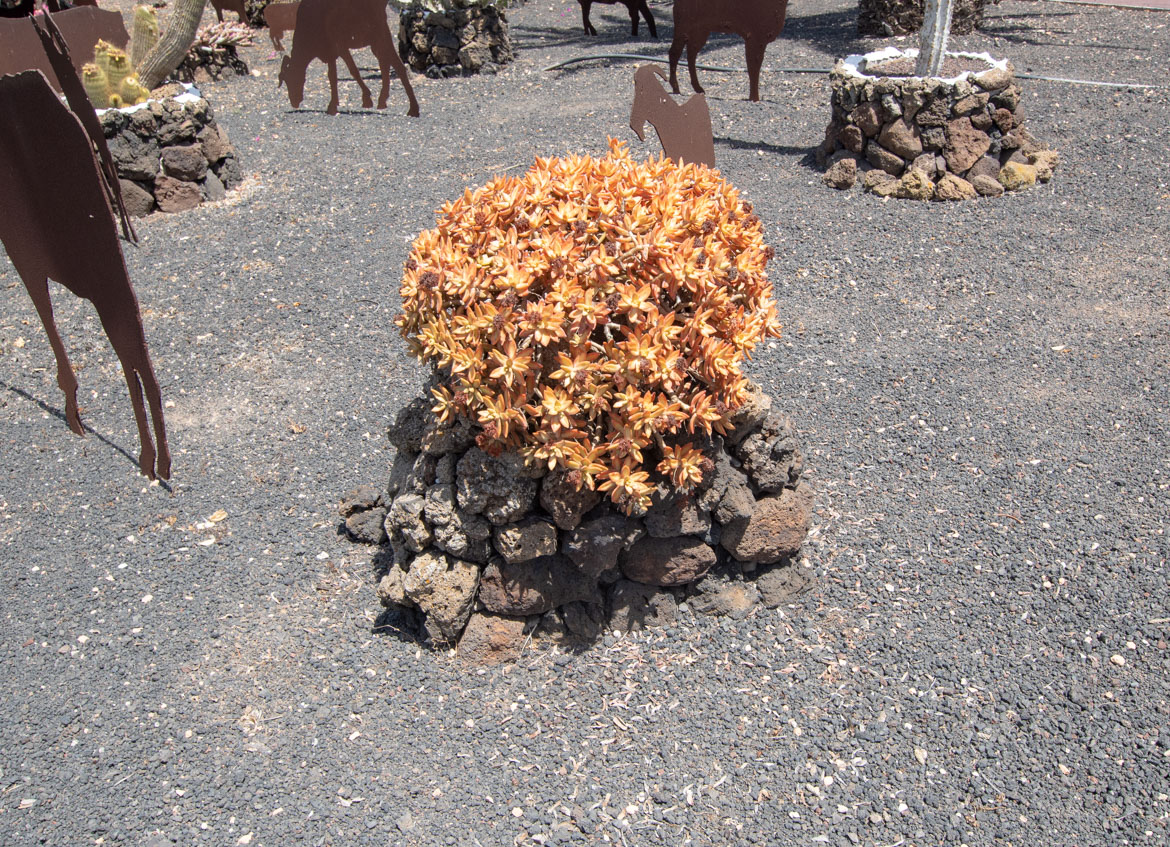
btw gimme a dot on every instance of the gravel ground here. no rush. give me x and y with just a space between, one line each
982 393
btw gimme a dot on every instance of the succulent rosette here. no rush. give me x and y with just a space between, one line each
594 315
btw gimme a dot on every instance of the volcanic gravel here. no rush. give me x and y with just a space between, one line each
981 391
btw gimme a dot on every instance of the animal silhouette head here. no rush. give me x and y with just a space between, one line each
294 79
643 87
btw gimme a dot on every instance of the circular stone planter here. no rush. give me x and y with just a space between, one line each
466 40
484 550
170 154
941 138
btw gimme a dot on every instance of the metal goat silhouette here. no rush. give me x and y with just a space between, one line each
281 18
685 131
328 30
236 6
58 225
758 22
635 7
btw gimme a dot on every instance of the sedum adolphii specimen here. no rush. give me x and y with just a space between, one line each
593 315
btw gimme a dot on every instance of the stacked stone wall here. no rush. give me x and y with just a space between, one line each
170 155
928 138
481 547
459 42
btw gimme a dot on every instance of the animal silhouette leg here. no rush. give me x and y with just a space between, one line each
367 100
66 378
123 327
754 50
649 21
633 19
585 4
331 109
673 55
388 55
693 48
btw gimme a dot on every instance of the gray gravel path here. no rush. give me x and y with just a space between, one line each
981 389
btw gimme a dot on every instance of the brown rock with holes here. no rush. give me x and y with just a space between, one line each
775 531
444 588
184 162
901 139
915 185
965 145
868 117
534 587
634 605
925 163
951 187
174 195
876 178
138 201
987 186
561 499
883 159
667 561
841 175
491 639
524 540
1015 176
782 583
1004 119
1045 162
986 166
852 139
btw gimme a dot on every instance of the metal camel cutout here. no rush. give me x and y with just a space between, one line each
685 131
635 6
758 22
59 226
328 30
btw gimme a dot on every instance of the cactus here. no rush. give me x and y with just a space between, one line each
132 91
101 55
144 33
96 85
119 68
116 101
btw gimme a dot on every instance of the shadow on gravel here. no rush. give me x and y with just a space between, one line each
834 33
807 154
57 413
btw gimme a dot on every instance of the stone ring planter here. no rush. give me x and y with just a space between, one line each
170 154
485 550
943 138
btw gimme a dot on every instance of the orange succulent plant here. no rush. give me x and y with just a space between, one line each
593 315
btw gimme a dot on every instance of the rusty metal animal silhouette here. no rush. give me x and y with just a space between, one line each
635 7
58 225
684 131
281 18
758 22
328 30
236 6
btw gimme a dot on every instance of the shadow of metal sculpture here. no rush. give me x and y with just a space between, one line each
58 225
236 6
758 22
328 30
635 7
20 49
281 18
684 131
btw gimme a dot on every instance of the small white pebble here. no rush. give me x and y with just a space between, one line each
1117 659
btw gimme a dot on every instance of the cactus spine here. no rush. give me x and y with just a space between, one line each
144 35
